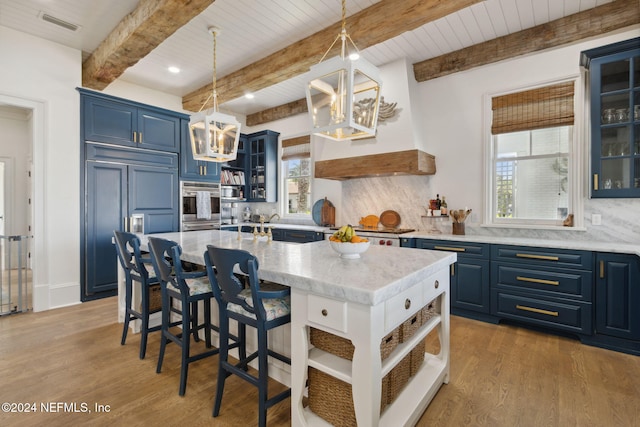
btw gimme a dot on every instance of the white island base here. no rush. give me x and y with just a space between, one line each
365 326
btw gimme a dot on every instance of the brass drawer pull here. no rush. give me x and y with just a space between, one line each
542 281
447 248
595 181
537 310
601 269
545 257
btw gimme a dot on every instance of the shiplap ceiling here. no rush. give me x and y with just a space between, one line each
253 29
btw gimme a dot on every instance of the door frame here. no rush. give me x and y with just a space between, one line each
37 127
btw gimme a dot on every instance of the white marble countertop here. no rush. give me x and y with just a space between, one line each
378 275
585 245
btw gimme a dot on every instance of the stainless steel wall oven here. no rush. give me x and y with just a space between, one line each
200 206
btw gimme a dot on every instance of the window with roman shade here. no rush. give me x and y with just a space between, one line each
531 156
296 165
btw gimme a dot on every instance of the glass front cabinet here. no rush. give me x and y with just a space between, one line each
614 81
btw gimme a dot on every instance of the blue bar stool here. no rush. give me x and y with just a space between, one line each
189 288
135 270
255 306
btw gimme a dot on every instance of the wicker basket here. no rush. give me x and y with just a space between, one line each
399 377
155 298
410 326
331 399
343 348
428 311
417 357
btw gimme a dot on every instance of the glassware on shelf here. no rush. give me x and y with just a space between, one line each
622 114
608 115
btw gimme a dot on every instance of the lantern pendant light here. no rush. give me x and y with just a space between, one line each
214 135
343 93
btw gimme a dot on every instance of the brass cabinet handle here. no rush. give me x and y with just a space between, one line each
537 310
135 137
453 270
601 269
595 181
205 169
446 248
544 257
542 281
140 138
302 236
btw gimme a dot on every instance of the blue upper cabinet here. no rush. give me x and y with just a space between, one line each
114 121
190 168
614 78
262 168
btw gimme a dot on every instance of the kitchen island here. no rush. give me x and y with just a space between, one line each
362 300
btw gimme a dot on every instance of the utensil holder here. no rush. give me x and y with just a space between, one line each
458 228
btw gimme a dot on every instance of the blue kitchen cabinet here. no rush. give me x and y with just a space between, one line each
190 168
614 79
122 186
262 167
618 301
546 287
114 120
470 284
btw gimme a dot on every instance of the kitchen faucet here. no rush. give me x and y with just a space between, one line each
271 217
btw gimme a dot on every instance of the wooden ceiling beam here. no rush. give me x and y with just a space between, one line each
135 36
373 25
592 22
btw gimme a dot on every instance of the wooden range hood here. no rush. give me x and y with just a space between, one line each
410 162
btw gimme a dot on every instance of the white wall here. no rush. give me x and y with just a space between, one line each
455 122
44 75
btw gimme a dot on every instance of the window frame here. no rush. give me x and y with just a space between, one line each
578 148
283 190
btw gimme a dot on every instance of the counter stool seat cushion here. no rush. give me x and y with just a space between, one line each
197 286
273 307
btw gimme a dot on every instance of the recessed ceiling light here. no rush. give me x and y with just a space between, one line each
174 70
249 95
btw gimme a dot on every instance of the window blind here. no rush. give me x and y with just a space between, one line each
543 107
296 148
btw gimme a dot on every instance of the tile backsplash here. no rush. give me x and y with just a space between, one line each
408 196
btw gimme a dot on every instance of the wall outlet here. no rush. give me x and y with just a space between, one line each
596 219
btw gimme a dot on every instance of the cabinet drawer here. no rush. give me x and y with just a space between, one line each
461 248
553 282
543 256
402 306
327 312
569 316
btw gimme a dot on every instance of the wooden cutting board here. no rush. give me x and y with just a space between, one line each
328 213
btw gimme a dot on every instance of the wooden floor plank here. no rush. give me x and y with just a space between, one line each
501 375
